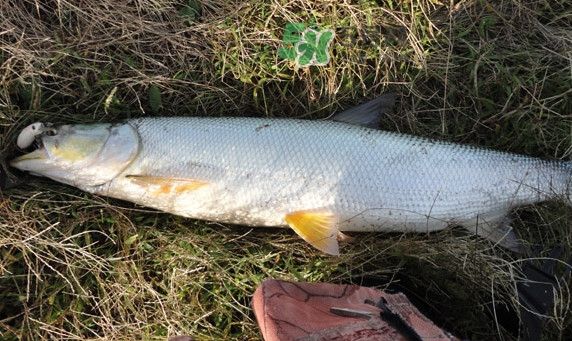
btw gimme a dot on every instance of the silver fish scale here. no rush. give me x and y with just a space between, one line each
261 169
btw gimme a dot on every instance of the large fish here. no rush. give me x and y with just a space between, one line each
318 177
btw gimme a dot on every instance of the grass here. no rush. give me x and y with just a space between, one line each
77 266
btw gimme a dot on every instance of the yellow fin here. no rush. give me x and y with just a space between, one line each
317 228
157 185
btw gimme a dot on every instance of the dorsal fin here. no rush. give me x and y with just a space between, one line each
367 114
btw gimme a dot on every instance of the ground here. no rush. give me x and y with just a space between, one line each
79 266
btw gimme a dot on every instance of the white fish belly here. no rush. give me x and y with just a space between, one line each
258 170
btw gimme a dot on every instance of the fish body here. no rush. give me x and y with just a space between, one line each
318 177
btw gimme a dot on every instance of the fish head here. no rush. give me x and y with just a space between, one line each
82 155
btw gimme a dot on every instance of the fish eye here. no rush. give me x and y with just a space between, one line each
51 131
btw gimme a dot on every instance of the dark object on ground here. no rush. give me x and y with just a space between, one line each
537 295
9 177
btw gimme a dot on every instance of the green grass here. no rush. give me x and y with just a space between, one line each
77 266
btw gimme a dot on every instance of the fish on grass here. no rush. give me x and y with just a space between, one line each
317 177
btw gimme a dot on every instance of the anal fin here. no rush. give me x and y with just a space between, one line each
497 230
157 185
317 228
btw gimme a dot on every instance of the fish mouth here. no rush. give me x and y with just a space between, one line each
23 161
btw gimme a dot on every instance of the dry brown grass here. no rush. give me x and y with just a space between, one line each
76 266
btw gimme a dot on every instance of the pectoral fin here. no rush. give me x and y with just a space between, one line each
317 228
166 185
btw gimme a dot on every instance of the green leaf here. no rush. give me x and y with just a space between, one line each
192 11
131 239
154 99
